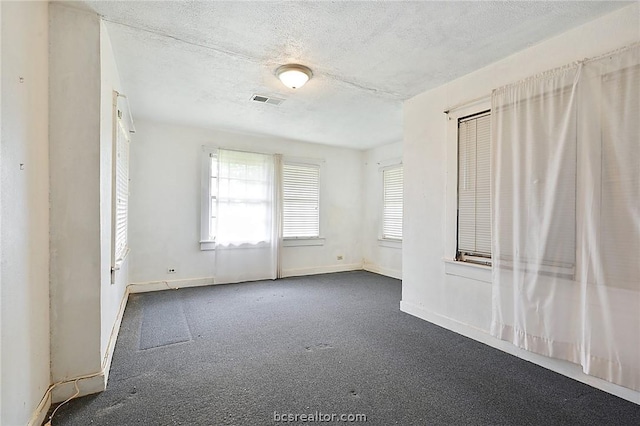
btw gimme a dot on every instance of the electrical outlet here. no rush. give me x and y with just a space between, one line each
340 257
171 270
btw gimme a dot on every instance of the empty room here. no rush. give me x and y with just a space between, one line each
319 212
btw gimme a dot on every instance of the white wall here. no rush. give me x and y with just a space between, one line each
86 306
456 296
75 164
382 257
112 294
165 204
24 213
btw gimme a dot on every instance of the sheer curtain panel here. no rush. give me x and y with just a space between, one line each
565 198
246 236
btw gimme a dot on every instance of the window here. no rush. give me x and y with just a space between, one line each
120 194
300 201
392 178
237 198
245 198
212 199
474 202
209 198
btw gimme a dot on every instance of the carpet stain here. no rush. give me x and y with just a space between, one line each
319 346
119 404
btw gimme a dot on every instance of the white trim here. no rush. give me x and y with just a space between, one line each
565 368
145 286
390 243
300 242
380 270
207 245
205 194
244 246
469 270
87 386
120 261
93 383
39 414
451 194
321 270
113 337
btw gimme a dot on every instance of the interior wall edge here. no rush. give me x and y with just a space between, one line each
381 270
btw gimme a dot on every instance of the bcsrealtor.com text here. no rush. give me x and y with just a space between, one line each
318 417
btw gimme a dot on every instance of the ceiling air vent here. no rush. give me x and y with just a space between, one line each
267 99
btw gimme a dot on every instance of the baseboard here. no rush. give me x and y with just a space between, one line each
565 368
115 330
86 385
376 269
143 287
321 270
39 414
96 382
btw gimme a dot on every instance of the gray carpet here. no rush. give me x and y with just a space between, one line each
335 343
155 330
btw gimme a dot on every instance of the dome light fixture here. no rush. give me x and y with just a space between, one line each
294 76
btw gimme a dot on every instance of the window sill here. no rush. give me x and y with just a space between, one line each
212 245
468 270
385 242
120 262
118 265
299 242
288 242
207 245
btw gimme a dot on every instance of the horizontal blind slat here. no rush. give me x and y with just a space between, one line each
474 185
300 200
121 207
392 210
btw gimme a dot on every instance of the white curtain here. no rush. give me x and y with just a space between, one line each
246 237
566 215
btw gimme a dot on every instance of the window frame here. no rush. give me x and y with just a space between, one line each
314 165
206 242
384 239
453 266
313 241
119 132
460 256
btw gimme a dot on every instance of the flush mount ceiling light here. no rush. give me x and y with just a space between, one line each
294 76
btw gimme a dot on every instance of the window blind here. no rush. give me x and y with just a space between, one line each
474 202
121 192
300 200
620 185
392 203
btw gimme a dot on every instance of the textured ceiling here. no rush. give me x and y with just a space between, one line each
199 63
